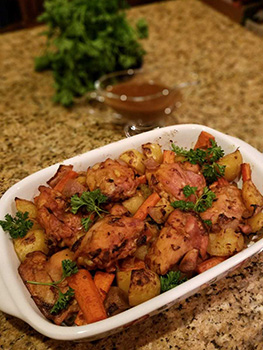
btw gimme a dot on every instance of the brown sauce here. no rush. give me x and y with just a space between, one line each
147 109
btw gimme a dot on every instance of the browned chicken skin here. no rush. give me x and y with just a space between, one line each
182 233
115 179
34 268
60 225
108 240
227 209
169 179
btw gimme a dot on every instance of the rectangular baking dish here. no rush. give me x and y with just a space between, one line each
14 297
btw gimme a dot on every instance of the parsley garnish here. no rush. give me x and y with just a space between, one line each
17 226
205 158
86 39
69 268
208 222
91 201
202 203
171 280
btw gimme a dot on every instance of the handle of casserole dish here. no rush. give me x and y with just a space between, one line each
7 305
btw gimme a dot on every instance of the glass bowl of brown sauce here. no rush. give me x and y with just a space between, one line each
140 97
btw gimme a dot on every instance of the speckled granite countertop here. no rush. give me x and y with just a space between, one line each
185 36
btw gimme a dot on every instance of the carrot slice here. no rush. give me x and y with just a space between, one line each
208 264
246 172
87 296
103 282
61 184
151 201
203 140
168 156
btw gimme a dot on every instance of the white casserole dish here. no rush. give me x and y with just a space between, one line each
14 297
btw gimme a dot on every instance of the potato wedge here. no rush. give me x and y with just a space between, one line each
24 205
251 195
135 160
145 284
256 222
141 252
35 240
124 280
232 163
161 211
225 243
133 204
154 151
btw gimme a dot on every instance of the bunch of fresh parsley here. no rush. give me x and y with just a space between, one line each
87 39
201 204
16 226
69 268
206 158
91 201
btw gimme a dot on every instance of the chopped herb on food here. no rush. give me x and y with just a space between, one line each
206 158
202 203
171 280
16 226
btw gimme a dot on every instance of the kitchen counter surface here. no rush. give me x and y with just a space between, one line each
184 36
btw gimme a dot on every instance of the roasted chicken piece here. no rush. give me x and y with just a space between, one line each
114 178
182 233
60 225
34 268
169 179
227 209
108 240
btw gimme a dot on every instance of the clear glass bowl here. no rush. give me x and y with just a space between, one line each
140 97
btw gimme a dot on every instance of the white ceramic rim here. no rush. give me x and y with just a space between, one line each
14 297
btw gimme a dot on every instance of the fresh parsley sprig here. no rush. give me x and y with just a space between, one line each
16 226
69 268
92 202
171 280
202 203
206 158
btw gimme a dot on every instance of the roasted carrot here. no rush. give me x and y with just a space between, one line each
151 201
87 296
61 184
141 180
246 172
103 282
208 264
203 140
168 156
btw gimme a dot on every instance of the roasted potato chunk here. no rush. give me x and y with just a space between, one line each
124 280
161 211
256 222
225 243
34 240
133 204
135 160
145 284
24 205
154 151
116 301
232 163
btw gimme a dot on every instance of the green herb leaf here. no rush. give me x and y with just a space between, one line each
90 200
189 190
69 268
17 226
63 300
202 203
171 280
208 222
86 222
